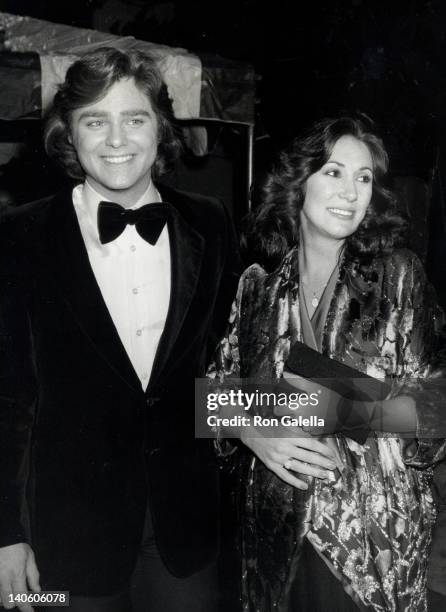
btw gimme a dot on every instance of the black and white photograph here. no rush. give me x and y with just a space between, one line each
222 306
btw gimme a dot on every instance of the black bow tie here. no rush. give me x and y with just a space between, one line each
149 220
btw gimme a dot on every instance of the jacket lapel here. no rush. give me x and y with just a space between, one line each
76 280
186 250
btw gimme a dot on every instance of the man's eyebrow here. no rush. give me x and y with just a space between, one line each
98 113
136 111
128 113
333 161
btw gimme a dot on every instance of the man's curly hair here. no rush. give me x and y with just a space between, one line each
87 81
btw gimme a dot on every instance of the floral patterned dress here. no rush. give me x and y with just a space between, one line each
372 525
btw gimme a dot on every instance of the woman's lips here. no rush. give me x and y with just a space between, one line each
341 213
117 159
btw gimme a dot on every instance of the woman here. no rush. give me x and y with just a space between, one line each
329 273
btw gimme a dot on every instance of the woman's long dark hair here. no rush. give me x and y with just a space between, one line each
273 228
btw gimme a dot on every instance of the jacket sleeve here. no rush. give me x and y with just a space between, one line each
424 359
226 360
232 270
17 399
226 365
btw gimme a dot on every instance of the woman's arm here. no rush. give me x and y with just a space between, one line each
416 342
424 362
301 453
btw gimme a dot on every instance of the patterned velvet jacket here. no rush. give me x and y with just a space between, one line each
372 526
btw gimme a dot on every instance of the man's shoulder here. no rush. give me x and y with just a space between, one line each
25 214
193 205
26 223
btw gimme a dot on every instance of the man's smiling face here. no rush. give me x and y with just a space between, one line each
116 140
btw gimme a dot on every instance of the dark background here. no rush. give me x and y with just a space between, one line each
314 58
311 59
386 59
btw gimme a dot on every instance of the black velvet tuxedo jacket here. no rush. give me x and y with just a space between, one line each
82 446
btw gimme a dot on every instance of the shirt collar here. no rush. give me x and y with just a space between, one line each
86 201
92 198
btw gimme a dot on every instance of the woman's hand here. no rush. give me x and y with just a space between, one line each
302 453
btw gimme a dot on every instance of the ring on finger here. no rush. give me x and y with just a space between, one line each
288 463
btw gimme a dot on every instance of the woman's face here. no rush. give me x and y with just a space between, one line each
337 195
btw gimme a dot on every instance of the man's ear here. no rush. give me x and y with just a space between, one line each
69 138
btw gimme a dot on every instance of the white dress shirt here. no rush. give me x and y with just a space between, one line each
134 279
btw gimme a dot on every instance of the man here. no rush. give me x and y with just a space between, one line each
111 292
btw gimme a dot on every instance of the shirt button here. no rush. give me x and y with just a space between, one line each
144 375
139 332
135 290
133 248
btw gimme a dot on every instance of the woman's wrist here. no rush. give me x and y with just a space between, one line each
397 415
